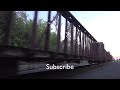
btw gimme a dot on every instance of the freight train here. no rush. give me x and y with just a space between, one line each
78 44
98 50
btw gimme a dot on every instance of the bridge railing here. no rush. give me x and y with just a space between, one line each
69 36
61 37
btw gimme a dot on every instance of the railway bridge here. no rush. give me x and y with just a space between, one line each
27 46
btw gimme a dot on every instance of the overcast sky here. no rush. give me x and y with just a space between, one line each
103 25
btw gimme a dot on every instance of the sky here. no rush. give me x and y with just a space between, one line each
103 25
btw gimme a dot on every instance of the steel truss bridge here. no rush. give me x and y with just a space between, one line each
81 46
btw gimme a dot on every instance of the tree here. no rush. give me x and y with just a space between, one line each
41 33
21 31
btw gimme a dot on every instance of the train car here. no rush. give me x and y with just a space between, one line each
101 51
93 49
105 55
108 57
94 52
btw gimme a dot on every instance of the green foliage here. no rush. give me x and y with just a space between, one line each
53 40
21 31
41 33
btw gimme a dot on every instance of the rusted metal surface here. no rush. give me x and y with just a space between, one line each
73 20
59 35
85 46
81 42
34 29
66 41
89 47
76 42
47 33
71 38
